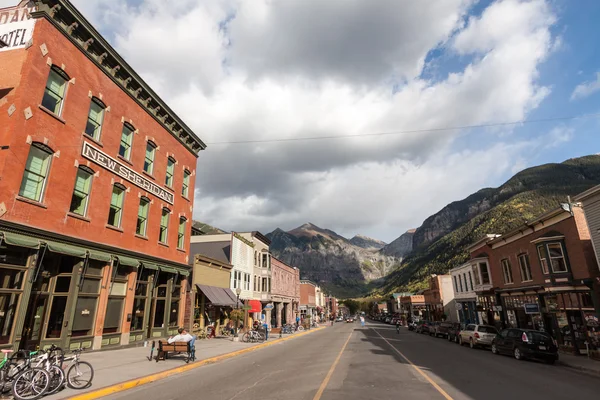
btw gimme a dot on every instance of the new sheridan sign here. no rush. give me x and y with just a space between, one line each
99 157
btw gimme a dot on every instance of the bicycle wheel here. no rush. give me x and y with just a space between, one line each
80 375
57 379
300 328
31 384
246 337
260 337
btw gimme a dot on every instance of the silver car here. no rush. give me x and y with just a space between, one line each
477 335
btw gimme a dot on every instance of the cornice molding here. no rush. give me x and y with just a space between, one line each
67 19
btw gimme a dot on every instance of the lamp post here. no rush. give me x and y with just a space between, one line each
238 291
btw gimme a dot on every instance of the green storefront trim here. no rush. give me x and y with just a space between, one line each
183 272
99 255
168 269
67 249
151 266
14 239
128 261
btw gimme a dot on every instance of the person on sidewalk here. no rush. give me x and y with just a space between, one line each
331 318
184 336
362 320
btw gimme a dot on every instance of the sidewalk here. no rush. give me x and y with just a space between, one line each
580 363
113 367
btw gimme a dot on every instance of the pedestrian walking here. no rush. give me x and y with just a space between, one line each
331 318
362 320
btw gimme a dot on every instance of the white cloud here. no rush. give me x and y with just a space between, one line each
266 70
558 136
586 89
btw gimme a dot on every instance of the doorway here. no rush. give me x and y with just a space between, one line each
34 322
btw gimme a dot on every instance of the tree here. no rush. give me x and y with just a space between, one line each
353 305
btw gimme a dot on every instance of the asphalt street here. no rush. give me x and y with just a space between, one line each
350 362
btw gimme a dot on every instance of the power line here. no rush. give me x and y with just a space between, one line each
452 128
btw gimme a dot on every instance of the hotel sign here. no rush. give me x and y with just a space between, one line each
16 26
99 157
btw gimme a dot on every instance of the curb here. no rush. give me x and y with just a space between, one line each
120 387
588 371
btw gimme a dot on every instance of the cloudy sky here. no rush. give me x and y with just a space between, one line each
271 72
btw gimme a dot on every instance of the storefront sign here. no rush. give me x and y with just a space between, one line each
99 157
16 27
458 306
531 308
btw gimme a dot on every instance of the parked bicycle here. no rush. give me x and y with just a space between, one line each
25 382
253 336
288 329
79 373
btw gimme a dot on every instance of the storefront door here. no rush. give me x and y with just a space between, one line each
34 321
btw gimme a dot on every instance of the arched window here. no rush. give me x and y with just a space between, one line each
164 226
81 191
56 89
126 140
186 183
35 176
170 171
149 159
93 127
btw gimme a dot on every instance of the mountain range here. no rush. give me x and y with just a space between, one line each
362 265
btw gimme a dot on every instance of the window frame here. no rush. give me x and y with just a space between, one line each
562 256
543 260
487 273
123 190
164 229
185 187
170 172
525 257
54 69
49 154
149 161
181 233
127 153
507 271
90 172
146 201
98 130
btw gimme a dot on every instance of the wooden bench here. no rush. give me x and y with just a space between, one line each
164 348
275 331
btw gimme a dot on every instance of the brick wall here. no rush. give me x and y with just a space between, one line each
283 279
65 138
307 294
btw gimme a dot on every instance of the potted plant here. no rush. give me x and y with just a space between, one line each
236 315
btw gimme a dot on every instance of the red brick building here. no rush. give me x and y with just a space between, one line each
308 297
541 276
285 291
96 190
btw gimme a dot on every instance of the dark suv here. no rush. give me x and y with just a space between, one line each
454 331
441 329
526 343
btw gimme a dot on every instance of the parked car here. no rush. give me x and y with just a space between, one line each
441 329
433 327
454 331
526 343
339 319
477 335
350 319
423 327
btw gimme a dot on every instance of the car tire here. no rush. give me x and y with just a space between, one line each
495 349
471 344
460 341
517 354
449 338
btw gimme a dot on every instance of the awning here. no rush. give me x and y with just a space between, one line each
151 266
168 269
218 296
128 261
67 249
14 239
184 272
99 255
256 306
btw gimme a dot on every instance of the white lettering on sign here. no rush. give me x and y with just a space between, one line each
99 157
16 26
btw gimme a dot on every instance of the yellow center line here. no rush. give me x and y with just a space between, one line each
419 370
328 377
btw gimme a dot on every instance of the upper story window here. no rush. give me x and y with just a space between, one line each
116 205
525 268
81 191
476 275
164 226
36 172
485 274
142 219
466 284
149 159
455 284
557 257
470 280
170 172
461 285
126 141
186 183
56 87
543 258
506 271
181 233
95 118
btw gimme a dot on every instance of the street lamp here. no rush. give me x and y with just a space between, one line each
238 291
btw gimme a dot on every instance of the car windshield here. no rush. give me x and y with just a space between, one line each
487 329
